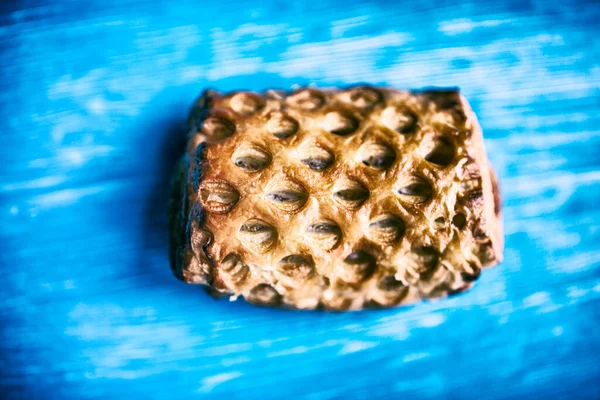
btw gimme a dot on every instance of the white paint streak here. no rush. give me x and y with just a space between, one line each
70 87
294 35
536 299
210 382
464 25
535 183
290 351
191 73
358 55
354 346
66 124
576 262
265 344
116 344
340 27
235 67
40 183
63 197
431 320
228 362
502 308
415 357
96 105
395 330
575 292
549 308
542 301
227 349
544 194
80 155
540 142
557 331
230 49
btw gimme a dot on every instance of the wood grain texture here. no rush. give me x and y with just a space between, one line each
93 95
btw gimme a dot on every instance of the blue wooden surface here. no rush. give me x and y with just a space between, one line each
92 95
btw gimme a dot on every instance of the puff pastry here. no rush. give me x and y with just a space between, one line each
338 199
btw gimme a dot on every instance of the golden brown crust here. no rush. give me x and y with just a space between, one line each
342 199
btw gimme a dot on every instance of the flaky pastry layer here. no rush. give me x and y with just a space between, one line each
340 199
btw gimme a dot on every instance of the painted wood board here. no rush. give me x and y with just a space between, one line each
93 95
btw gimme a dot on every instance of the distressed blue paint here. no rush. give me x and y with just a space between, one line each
92 94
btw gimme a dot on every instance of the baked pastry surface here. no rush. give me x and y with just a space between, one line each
341 199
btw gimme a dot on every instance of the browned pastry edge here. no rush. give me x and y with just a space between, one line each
193 263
